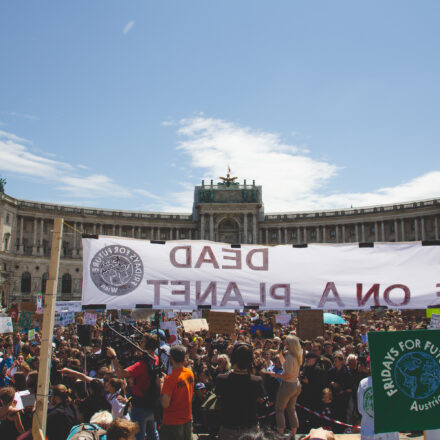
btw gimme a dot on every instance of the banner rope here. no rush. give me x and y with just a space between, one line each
73 228
316 414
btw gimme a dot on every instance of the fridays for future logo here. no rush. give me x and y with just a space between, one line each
116 270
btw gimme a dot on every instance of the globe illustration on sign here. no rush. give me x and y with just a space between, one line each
417 375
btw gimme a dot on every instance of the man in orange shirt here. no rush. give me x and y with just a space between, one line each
176 397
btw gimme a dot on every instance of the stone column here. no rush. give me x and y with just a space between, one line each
396 231
324 234
382 227
363 232
254 228
211 227
285 236
422 227
436 227
305 234
317 234
94 228
41 236
298 234
245 232
279 236
101 229
356 231
337 233
139 232
158 233
202 226
177 233
416 229
402 225
21 242
120 231
190 235
343 233
267 236
34 242
74 239
376 232
133 234
114 230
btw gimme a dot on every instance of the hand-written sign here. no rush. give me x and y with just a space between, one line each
6 325
195 325
310 324
26 320
283 319
172 330
221 322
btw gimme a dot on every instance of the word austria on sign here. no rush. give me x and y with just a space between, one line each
123 273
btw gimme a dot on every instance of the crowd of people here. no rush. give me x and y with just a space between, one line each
233 386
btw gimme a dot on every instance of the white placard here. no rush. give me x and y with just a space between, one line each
89 318
433 434
435 321
172 329
6 325
283 319
71 306
121 273
64 318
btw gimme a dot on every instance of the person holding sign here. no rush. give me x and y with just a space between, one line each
290 387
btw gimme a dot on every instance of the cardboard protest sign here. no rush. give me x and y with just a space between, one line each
6 324
310 324
28 306
406 377
195 325
172 330
31 335
221 322
283 319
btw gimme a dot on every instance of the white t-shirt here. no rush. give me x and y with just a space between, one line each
366 408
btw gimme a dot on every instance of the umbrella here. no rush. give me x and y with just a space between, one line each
331 318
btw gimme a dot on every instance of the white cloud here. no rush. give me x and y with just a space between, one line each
291 179
143 192
17 159
128 27
23 115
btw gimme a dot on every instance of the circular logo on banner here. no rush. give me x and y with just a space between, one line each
417 375
116 270
368 402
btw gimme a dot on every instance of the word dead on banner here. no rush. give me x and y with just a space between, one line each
405 368
120 273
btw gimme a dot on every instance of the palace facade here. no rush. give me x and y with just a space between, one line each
226 212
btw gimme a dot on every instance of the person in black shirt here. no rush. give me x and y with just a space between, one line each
62 416
239 392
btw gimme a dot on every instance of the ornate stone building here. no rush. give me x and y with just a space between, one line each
227 212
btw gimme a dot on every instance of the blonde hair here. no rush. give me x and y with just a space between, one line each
294 347
226 358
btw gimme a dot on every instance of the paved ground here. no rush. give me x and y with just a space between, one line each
407 436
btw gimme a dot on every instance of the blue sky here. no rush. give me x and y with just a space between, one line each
128 105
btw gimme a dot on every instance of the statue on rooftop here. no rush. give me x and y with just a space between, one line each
228 180
2 185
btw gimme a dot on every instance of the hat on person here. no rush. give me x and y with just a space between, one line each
161 333
200 386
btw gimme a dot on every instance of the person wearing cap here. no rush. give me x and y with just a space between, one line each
164 351
201 394
313 381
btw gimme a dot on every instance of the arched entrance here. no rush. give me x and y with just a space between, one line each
228 231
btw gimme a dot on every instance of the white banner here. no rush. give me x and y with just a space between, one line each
121 273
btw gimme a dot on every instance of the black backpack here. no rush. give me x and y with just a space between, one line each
86 431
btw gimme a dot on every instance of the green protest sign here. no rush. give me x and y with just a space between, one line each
405 367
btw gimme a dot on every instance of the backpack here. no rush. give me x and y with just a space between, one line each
87 431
